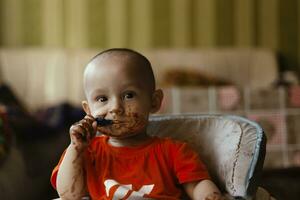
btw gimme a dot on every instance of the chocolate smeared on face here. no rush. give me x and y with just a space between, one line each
131 125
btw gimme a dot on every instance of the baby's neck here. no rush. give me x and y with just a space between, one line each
131 141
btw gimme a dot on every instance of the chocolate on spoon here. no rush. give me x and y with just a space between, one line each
103 122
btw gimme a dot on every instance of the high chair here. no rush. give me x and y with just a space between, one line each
232 147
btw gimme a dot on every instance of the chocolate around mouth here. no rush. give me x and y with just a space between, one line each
103 122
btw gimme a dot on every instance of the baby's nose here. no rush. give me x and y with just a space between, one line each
116 107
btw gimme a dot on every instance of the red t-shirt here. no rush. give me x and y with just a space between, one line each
153 170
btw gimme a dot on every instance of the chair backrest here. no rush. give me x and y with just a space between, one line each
232 147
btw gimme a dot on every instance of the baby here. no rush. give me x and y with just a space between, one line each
124 162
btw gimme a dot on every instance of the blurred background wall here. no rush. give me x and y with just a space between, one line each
145 24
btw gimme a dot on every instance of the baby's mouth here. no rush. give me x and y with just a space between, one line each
121 126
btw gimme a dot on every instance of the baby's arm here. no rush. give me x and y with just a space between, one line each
70 178
70 182
203 190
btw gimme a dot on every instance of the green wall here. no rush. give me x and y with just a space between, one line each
145 24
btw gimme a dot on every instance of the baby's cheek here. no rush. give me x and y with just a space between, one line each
135 125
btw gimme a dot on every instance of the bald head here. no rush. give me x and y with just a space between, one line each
124 61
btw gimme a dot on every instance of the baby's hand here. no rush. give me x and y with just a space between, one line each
82 132
215 196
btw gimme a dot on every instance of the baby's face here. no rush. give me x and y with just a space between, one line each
117 90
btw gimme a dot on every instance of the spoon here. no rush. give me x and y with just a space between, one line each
103 122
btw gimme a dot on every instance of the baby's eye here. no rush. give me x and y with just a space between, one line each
129 95
101 99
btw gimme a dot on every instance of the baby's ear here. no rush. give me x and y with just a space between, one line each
86 107
157 98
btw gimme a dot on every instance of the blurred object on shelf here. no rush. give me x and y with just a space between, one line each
5 134
274 159
194 100
229 98
293 129
179 76
294 157
264 98
273 125
290 78
294 96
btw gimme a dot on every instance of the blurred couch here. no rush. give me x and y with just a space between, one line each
49 76
43 78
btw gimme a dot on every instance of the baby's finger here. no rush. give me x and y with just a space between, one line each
88 127
78 129
94 126
77 135
89 118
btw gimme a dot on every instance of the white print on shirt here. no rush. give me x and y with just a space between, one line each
123 190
